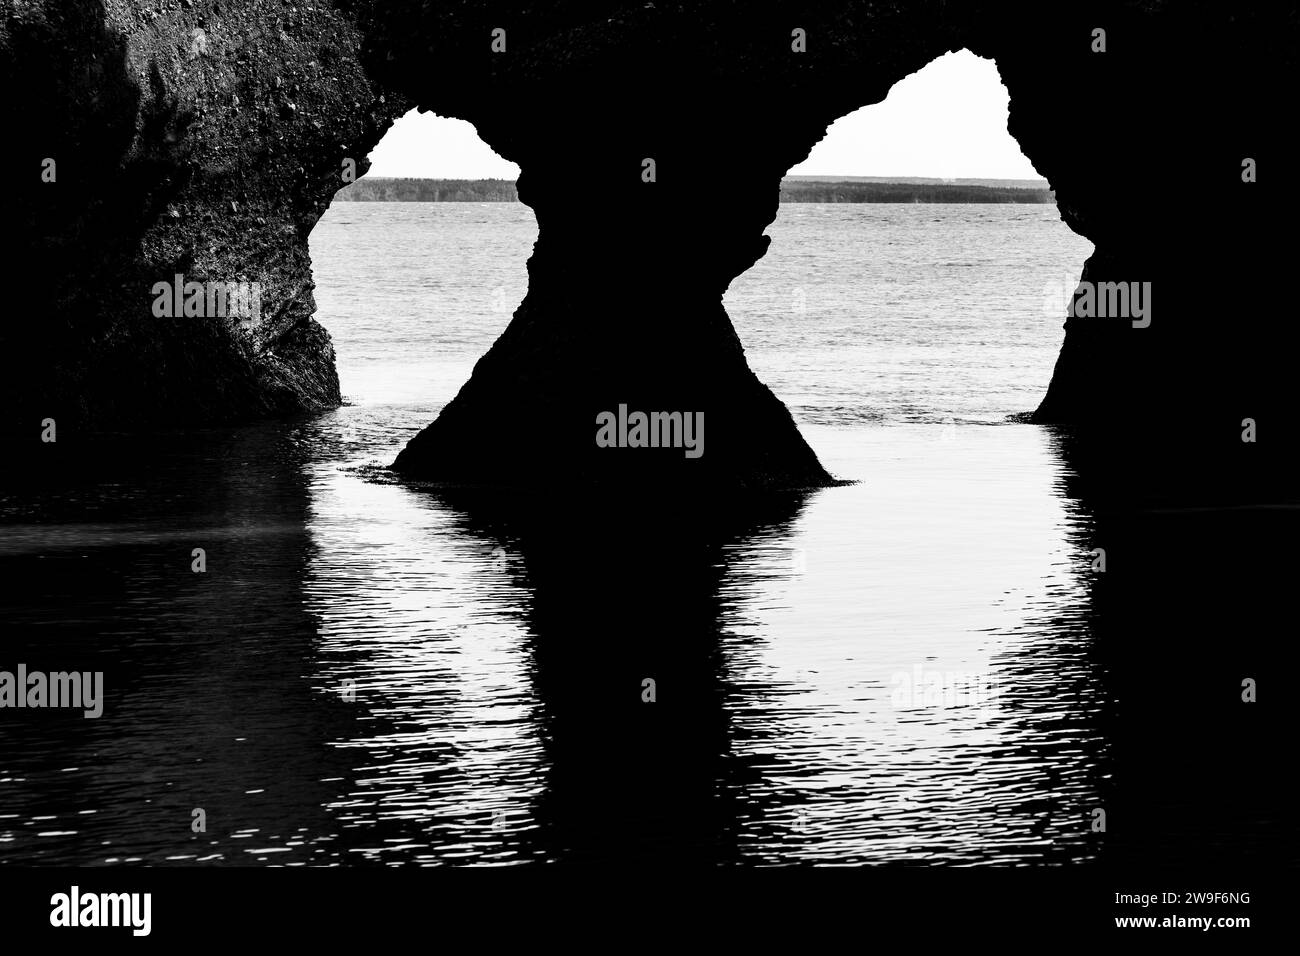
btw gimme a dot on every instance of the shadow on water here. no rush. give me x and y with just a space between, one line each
624 617
221 687
500 647
1195 599
206 700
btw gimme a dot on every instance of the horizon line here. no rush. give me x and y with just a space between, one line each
818 177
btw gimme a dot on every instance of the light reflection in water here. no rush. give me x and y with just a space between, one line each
815 625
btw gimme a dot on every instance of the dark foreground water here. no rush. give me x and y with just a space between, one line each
921 667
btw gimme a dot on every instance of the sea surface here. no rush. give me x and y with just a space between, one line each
905 669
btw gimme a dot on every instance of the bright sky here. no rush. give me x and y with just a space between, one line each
947 121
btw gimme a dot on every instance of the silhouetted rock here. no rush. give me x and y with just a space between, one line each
207 140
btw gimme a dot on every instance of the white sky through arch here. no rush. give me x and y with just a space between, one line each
946 121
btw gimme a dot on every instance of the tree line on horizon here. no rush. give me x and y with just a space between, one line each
371 189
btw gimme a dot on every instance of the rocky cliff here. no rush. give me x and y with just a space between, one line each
206 138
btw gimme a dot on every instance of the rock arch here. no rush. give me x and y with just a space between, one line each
216 161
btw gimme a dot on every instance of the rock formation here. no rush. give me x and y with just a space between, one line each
206 138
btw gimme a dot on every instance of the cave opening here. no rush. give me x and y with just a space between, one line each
919 270
919 273
418 266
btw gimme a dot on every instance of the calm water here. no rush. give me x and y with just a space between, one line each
371 673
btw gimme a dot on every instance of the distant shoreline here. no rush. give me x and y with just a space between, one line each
794 189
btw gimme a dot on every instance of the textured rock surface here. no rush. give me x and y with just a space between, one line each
196 138
216 158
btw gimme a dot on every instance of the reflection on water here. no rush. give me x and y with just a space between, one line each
920 668
899 670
